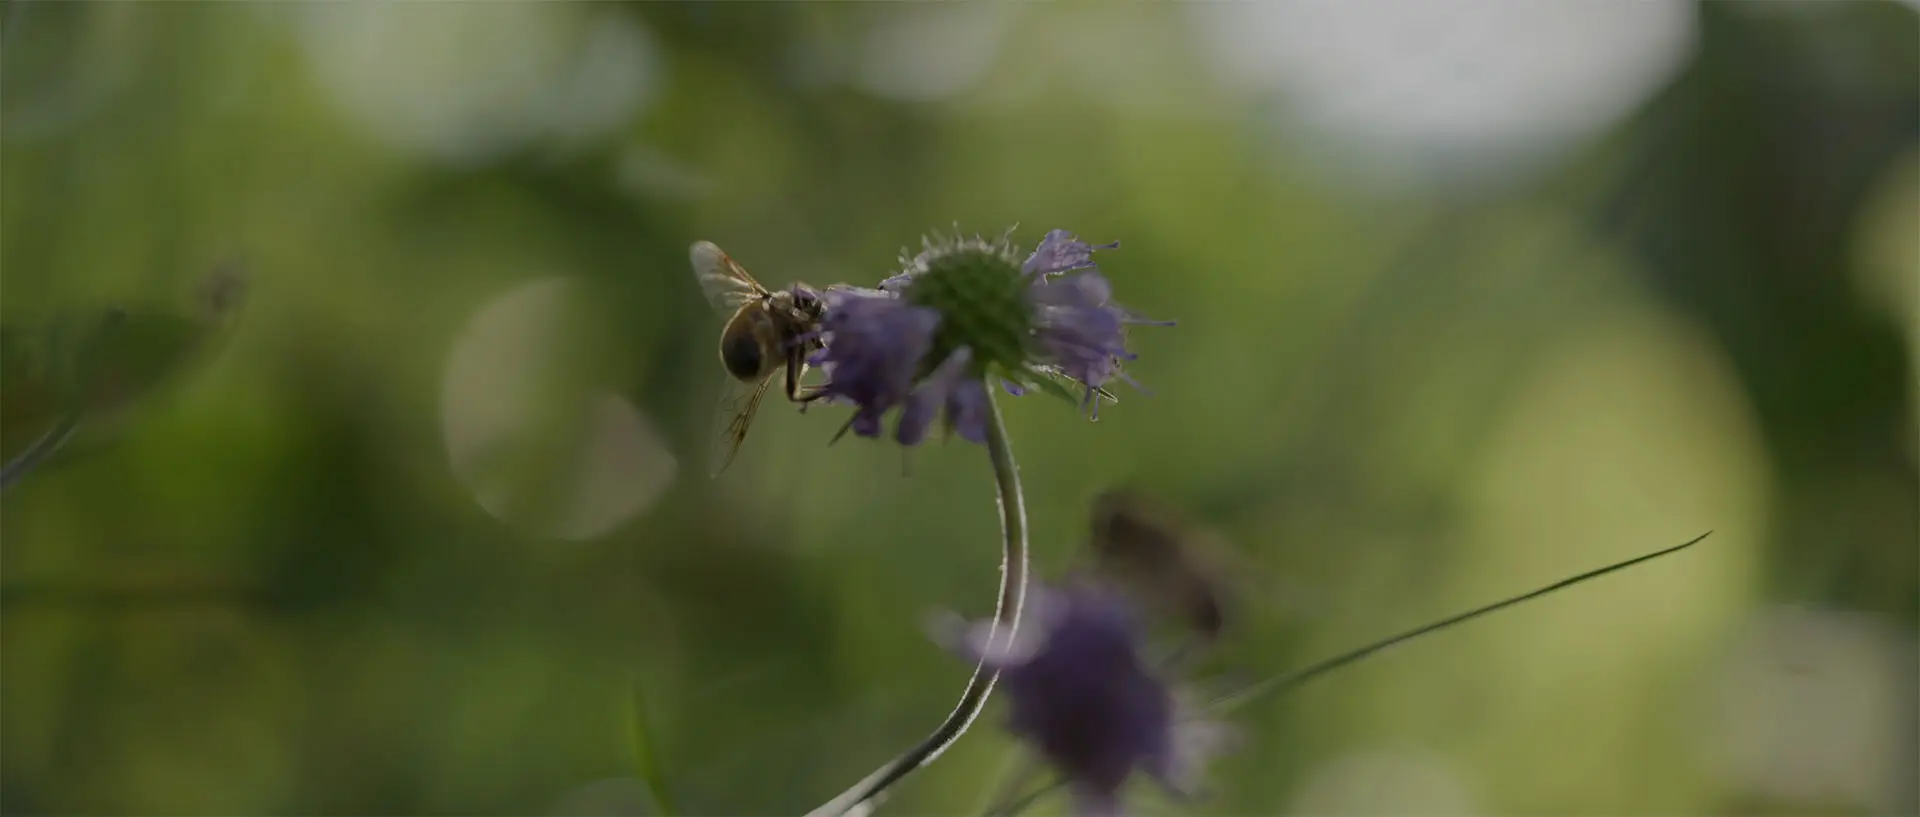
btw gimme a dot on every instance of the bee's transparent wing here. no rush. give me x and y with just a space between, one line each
726 284
731 419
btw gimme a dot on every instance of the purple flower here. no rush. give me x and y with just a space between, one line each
1081 694
1079 331
965 312
964 398
877 345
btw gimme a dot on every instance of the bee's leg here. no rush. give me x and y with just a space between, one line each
796 369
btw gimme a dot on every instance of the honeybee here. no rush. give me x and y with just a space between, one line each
1165 560
766 331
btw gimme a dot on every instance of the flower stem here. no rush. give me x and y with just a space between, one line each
860 799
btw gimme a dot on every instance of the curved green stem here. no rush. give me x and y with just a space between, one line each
860 799
1289 680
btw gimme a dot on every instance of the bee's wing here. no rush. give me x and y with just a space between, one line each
731 419
726 284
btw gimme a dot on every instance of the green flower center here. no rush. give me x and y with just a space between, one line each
981 295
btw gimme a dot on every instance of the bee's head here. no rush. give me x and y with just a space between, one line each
807 302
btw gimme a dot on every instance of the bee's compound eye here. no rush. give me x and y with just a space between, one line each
741 354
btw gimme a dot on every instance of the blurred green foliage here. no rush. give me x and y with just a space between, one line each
269 587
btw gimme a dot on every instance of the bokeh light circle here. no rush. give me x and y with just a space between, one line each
536 445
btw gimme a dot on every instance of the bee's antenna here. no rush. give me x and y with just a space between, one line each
1302 676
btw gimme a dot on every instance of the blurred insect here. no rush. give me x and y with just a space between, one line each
766 332
1147 547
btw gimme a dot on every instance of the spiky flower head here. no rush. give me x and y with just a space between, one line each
1080 692
966 311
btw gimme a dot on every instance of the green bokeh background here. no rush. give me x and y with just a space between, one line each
259 582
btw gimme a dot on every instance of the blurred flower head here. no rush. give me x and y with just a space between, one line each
1080 693
965 311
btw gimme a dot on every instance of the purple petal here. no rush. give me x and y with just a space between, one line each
1061 252
967 410
1088 290
980 642
1081 333
1177 767
874 345
925 402
866 422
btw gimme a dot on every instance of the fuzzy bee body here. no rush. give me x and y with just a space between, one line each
766 332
